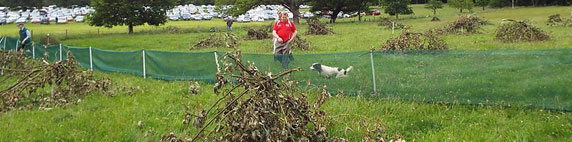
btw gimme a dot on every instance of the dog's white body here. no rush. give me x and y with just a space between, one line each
331 71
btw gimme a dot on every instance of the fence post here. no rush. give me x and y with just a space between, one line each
4 43
144 69
216 61
2 40
90 59
61 52
392 27
17 42
33 50
373 72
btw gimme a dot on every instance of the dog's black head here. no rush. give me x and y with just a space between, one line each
317 67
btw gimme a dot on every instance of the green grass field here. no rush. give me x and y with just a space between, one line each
159 104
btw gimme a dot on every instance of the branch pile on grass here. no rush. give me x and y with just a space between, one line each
257 33
228 40
555 20
42 84
49 40
391 24
315 27
515 31
256 107
416 41
468 24
301 44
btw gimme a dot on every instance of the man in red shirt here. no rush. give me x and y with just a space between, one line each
284 31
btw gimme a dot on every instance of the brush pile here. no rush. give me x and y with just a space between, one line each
227 40
388 23
42 84
515 31
257 33
416 41
315 27
555 20
301 44
469 24
49 40
256 107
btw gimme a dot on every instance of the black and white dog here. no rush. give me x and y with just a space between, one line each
331 71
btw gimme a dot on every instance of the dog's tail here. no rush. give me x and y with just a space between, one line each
349 69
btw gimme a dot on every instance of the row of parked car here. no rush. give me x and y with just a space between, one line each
45 15
49 14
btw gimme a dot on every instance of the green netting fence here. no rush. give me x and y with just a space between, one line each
525 78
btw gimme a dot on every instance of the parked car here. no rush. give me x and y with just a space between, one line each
374 12
22 20
79 19
207 16
62 20
2 21
36 20
11 20
174 17
197 17
186 16
69 18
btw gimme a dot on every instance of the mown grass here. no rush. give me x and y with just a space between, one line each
159 104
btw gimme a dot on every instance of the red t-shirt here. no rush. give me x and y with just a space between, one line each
284 29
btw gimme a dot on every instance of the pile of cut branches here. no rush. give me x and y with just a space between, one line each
514 31
49 40
256 106
257 33
301 44
388 23
468 24
416 41
42 84
228 40
555 20
315 27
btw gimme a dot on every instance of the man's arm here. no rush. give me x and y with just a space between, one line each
28 36
293 36
276 36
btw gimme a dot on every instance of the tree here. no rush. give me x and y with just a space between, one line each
196 2
109 13
482 3
242 6
363 5
334 7
462 4
396 7
23 3
434 5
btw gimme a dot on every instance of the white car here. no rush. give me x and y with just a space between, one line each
22 20
174 17
207 16
62 20
79 19
36 20
197 17
69 18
